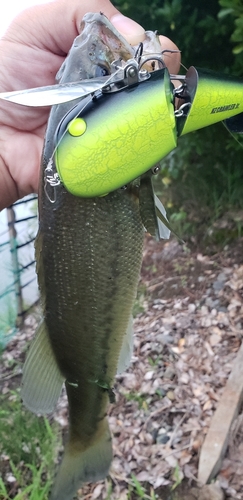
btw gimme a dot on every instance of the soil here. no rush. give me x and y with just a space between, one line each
188 330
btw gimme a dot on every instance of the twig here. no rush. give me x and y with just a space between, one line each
176 429
11 375
155 413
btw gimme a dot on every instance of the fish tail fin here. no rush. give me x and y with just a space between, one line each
81 465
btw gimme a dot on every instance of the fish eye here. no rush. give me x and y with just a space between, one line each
101 71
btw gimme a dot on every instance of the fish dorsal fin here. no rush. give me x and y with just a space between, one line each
42 381
127 348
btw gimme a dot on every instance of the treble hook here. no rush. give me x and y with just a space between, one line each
139 53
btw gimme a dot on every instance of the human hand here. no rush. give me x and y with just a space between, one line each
31 52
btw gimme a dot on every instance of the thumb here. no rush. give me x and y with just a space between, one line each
132 31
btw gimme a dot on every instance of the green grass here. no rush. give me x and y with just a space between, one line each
136 490
138 398
28 447
7 319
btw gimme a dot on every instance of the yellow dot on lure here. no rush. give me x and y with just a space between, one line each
77 127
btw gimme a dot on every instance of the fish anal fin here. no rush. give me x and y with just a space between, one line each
42 381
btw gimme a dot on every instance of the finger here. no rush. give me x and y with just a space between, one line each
54 26
129 29
172 60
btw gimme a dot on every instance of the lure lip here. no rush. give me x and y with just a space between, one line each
60 93
51 95
55 94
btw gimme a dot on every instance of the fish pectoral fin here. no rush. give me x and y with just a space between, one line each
163 224
126 349
42 381
152 211
147 206
82 465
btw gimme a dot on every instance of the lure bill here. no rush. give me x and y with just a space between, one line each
54 94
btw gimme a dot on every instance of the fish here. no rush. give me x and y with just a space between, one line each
88 261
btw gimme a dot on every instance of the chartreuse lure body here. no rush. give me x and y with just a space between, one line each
116 137
211 98
109 140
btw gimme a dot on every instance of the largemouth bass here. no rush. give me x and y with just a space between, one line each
89 254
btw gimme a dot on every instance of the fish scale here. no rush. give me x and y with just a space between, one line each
103 280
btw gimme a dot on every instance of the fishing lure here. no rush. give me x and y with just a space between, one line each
125 123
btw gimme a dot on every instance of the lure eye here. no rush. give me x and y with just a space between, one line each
101 71
155 170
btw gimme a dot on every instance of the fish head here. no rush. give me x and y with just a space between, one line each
94 50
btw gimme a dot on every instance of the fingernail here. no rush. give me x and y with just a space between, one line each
132 31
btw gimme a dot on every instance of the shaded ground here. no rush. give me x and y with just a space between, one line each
188 330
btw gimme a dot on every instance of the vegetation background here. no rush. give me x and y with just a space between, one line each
201 180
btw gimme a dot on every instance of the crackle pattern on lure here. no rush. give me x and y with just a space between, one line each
146 123
214 98
103 143
89 253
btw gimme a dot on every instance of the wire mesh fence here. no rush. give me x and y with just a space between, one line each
18 285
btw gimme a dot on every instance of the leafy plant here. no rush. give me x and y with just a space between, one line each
201 182
234 9
139 398
194 27
177 477
138 491
31 443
